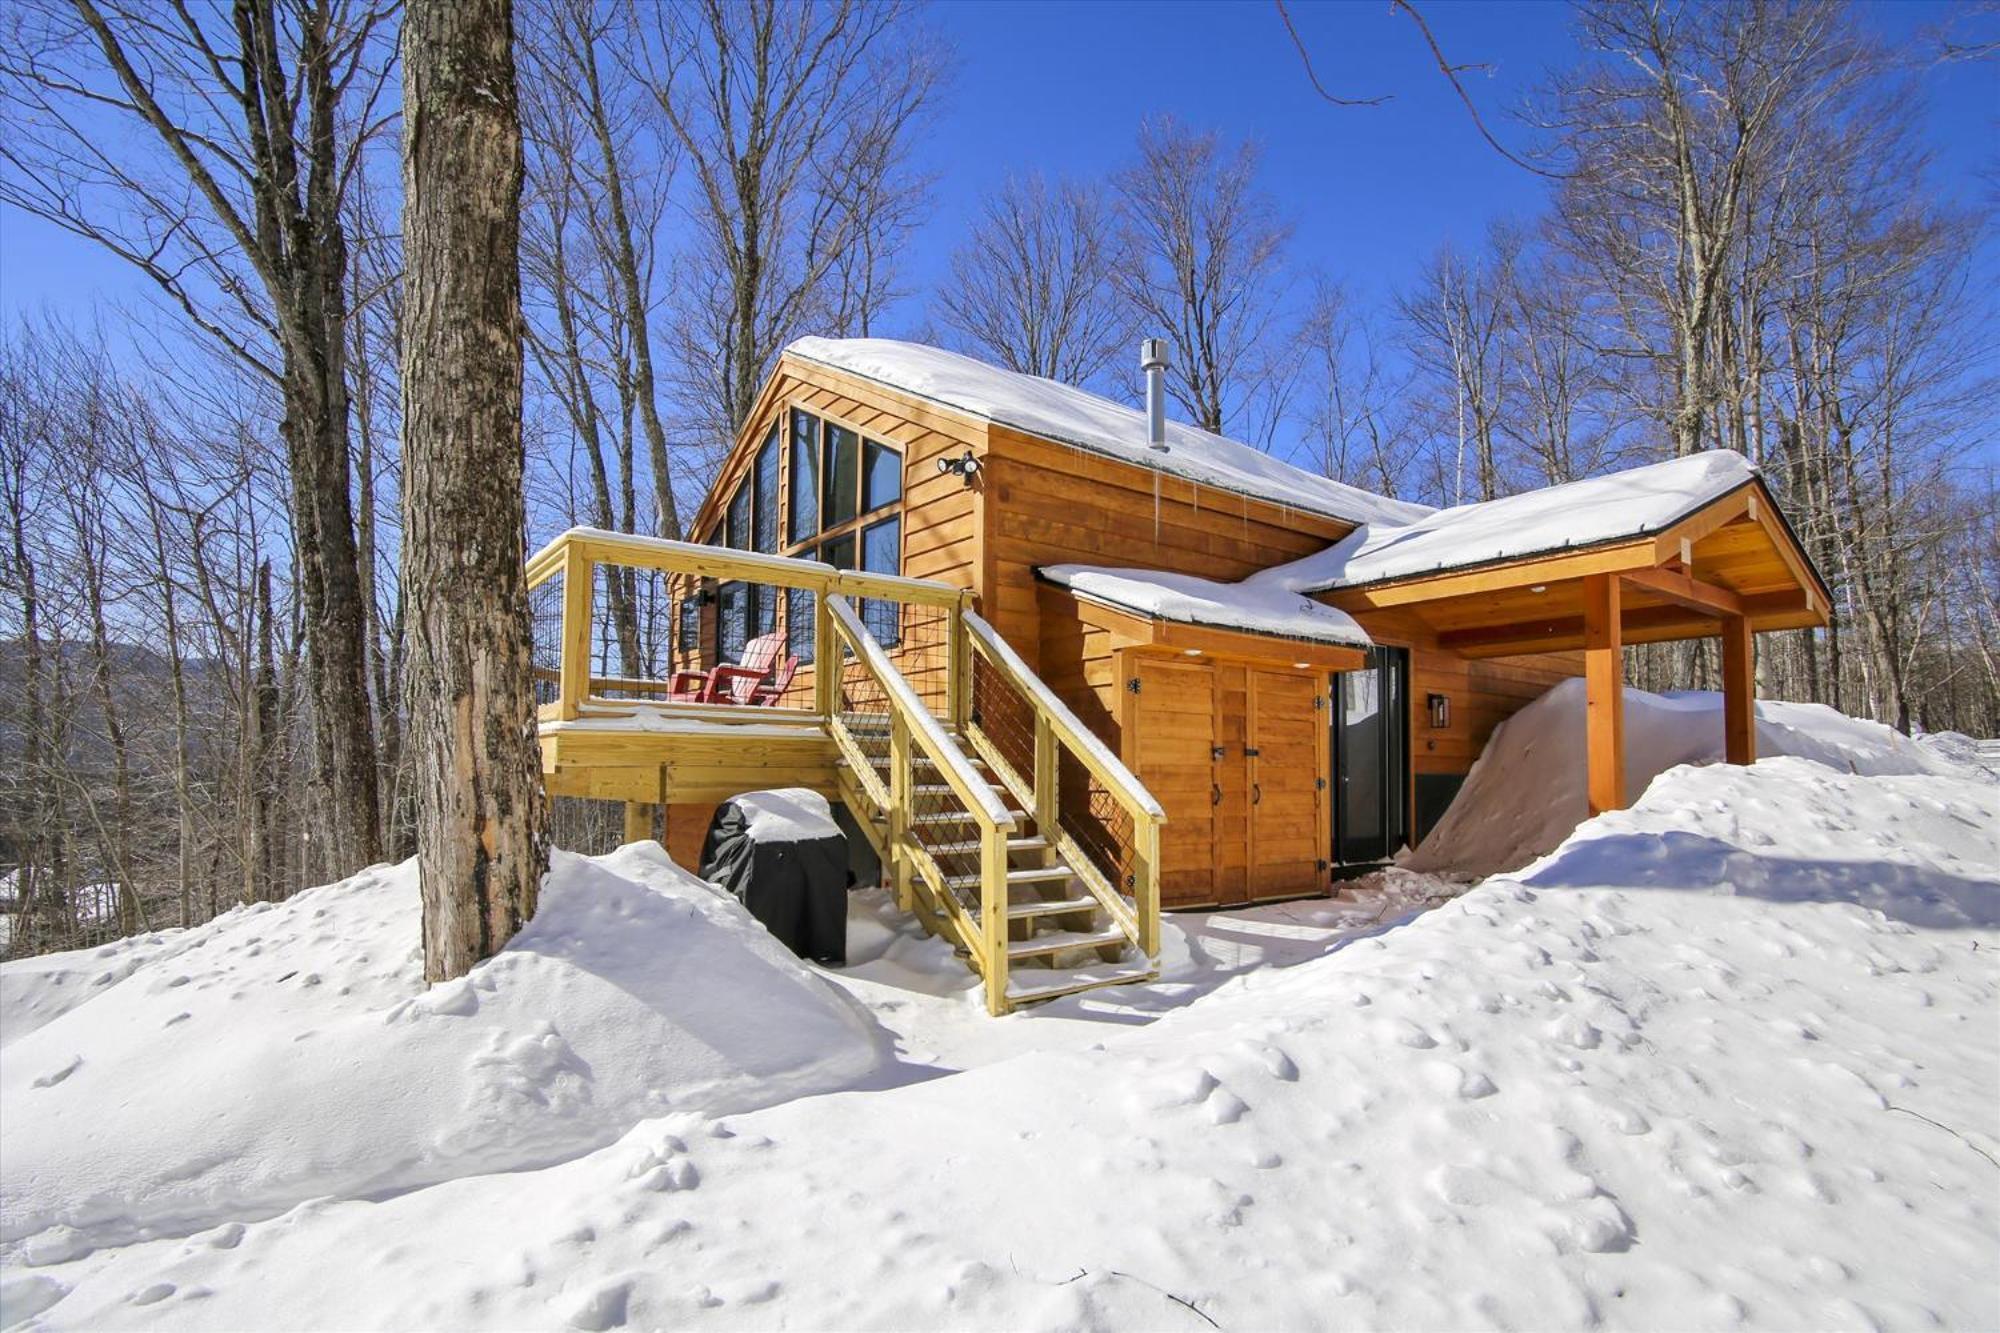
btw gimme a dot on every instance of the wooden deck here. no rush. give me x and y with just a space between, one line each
1044 891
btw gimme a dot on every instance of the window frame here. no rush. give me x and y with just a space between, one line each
803 549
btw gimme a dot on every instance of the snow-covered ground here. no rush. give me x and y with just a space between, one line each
1728 1058
1526 792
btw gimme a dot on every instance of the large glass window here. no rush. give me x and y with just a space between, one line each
765 521
882 477
843 471
739 516
882 553
802 523
839 552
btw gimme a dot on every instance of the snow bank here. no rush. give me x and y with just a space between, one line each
291 1051
1069 415
1164 595
1723 1060
36 991
1579 513
1527 792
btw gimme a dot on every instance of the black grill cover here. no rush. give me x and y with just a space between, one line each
792 880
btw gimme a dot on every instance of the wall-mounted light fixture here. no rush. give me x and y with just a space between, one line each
1440 707
967 467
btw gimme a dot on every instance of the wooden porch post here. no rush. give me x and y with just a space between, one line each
1739 691
579 593
1604 687
638 821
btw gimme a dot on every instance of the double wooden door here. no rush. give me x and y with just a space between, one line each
1235 754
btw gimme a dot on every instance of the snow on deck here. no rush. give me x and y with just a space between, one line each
1165 595
1631 503
1069 415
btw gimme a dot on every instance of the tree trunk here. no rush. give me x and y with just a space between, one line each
481 840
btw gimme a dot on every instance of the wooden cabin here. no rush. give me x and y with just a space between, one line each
1275 677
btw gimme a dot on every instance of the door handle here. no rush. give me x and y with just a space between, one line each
1256 794
1215 793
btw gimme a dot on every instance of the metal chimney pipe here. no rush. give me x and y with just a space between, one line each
1153 363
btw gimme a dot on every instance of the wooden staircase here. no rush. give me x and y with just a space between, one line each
1059 937
976 847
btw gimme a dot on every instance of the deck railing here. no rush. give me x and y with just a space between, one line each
913 689
1096 814
578 581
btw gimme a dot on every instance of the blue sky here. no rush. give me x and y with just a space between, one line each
1372 192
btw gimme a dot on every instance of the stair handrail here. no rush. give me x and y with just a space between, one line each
1065 728
912 725
924 727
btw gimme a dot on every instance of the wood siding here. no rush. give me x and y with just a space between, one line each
1046 504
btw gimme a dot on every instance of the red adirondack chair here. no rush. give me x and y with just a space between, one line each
761 678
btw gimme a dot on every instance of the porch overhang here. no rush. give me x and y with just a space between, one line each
1734 558
1730 569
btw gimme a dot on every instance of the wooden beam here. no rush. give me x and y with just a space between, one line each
1726 510
1523 573
1686 590
1604 687
1739 691
1645 624
639 820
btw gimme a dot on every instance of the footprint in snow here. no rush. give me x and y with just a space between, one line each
600 1309
1225 1107
55 1076
1464 1084
1409 1034
22 1298
153 1294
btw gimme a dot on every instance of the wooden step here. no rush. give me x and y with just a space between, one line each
1029 909
1025 875
958 817
1034 843
1058 941
1029 987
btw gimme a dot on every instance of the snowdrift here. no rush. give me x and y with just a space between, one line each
291 1051
1724 1059
1526 793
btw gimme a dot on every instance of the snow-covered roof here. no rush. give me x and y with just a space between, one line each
1162 595
1068 415
1621 505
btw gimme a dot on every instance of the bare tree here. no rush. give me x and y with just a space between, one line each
1665 132
257 117
481 825
1352 409
1202 262
791 120
1031 285
1454 329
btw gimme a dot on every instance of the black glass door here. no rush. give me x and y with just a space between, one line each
1371 730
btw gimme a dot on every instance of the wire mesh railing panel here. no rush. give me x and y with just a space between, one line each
545 602
1087 810
938 819
1005 717
1097 821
